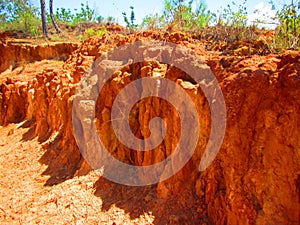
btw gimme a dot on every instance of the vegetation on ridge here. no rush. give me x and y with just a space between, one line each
177 15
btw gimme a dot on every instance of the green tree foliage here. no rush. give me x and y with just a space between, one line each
63 15
11 10
184 15
19 15
100 19
288 31
177 11
235 15
233 21
202 15
130 23
111 20
153 22
86 14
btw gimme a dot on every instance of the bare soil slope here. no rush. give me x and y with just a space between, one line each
255 178
25 199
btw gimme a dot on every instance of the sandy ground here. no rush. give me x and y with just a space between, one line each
28 71
25 199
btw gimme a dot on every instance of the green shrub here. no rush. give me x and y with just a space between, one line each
181 15
130 23
90 32
288 30
235 15
93 32
86 14
101 32
153 22
19 15
233 20
81 37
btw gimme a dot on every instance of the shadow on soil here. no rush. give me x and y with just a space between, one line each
62 165
30 134
183 208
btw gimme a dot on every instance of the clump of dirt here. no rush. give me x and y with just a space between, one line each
248 182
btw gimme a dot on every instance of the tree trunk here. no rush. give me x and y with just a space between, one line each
53 18
44 18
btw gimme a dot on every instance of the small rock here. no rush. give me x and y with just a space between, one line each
11 132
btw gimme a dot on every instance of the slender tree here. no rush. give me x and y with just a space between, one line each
53 18
44 18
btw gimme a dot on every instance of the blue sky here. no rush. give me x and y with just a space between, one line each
142 8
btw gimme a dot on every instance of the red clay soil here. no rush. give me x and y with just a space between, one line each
14 55
25 199
255 178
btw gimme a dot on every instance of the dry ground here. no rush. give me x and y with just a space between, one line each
24 198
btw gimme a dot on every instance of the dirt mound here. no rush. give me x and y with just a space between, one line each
115 28
13 34
248 182
262 104
14 55
235 41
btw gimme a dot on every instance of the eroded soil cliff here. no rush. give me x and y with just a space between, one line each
255 178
